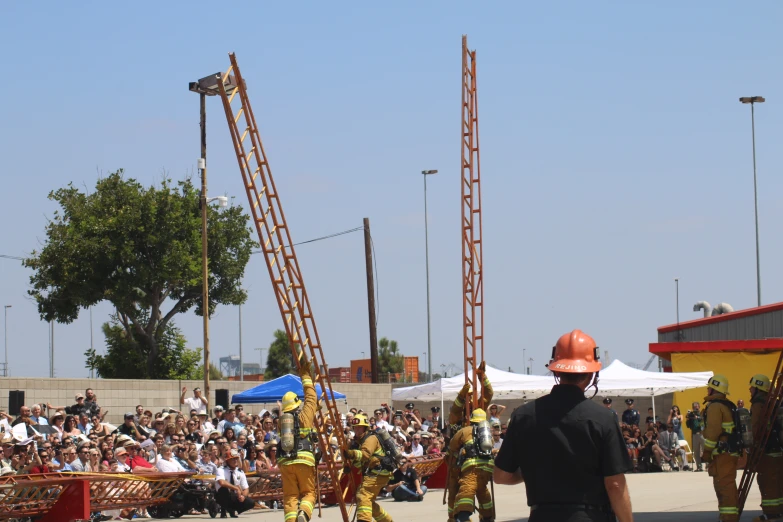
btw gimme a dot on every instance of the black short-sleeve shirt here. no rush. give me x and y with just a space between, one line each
564 445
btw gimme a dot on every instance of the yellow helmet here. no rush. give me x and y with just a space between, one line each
290 402
360 419
761 382
478 415
719 383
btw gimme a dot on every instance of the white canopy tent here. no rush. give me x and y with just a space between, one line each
620 380
616 380
506 385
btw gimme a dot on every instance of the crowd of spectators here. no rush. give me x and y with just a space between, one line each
653 445
196 438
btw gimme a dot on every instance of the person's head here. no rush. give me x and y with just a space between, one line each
83 419
629 404
139 410
637 432
180 421
70 423
669 427
267 424
170 429
70 454
676 409
192 425
575 360
232 459
24 411
229 434
218 411
239 409
121 454
45 455
271 451
230 415
128 419
95 455
90 394
416 439
79 398
36 410
740 403
607 402
242 439
96 421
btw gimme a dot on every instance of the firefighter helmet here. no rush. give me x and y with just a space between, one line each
719 383
761 382
290 402
360 419
478 415
575 352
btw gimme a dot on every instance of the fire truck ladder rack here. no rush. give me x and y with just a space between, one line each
279 254
761 436
472 243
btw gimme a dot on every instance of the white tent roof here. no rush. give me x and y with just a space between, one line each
620 380
617 380
506 385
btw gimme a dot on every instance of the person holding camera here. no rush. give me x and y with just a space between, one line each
695 422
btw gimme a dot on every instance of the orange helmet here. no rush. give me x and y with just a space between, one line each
575 352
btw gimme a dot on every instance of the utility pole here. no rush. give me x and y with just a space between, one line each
51 349
241 361
371 301
92 372
5 332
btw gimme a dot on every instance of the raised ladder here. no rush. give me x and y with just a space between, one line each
472 245
280 256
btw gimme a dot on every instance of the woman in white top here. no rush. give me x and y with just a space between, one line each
121 455
166 462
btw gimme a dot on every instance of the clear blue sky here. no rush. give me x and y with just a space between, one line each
615 157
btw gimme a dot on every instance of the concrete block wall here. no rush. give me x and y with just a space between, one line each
122 395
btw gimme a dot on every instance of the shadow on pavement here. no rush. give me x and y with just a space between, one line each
676 516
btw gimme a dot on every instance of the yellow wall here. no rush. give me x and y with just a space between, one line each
738 367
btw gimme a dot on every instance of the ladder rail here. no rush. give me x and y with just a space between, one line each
282 264
472 239
760 439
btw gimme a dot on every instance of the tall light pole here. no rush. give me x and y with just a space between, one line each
426 173
677 305
753 100
425 364
5 331
207 86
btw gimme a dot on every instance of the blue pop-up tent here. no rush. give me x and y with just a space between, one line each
274 390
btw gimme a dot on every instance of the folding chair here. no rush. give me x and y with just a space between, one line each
685 446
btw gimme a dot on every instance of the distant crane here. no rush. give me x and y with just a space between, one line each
649 362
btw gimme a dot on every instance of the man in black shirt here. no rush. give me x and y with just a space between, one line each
128 427
567 449
405 484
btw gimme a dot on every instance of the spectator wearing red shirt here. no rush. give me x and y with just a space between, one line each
137 463
43 467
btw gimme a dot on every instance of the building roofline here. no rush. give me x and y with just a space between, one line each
756 345
719 318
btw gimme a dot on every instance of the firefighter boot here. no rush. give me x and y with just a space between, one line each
462 516
764 517
302 517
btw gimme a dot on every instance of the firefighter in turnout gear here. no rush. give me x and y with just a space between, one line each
474 462
720 451
297 447
456 419
376 466
769 467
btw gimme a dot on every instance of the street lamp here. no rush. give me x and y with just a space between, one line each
207 86
5 331
426 173
425 364
752 100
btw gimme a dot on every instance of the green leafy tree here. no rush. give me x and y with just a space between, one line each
390 360
279 360
214 373
139 248
124 361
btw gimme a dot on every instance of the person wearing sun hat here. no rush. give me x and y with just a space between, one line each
231 487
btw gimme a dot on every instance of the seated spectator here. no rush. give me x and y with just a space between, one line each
167 463
122 465
36 415
181 456
95 460
405 485
271 453
70 429
56 421
82 462
43 467
99 429
83 423
128 427
137 463
91 404
417 450
669 443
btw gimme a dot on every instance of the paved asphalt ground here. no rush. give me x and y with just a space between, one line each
656 497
